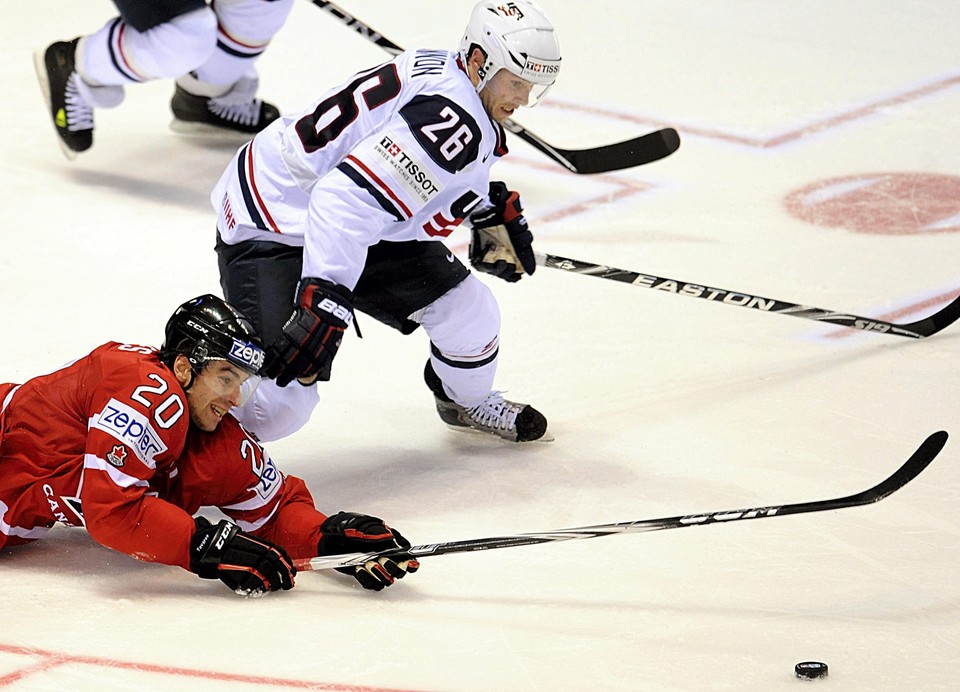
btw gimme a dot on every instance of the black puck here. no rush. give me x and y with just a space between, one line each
810 670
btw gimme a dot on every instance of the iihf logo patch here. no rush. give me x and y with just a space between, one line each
117 455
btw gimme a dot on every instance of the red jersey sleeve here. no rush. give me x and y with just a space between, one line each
229 470
296 525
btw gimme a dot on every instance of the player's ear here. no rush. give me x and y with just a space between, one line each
475 61
182 370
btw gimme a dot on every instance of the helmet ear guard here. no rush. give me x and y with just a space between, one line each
515 36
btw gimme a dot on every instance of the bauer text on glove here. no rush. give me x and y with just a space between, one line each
312 334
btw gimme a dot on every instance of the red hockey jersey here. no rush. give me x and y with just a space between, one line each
106 442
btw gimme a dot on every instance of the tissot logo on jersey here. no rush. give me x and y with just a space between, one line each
407 169
131 428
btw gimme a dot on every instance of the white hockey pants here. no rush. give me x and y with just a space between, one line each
463 326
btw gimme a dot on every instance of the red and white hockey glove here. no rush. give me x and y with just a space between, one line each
245 563
312 334
501 243
347 532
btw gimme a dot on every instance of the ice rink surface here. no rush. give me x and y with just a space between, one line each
818 166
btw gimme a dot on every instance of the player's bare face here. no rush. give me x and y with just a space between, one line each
215 391
503 94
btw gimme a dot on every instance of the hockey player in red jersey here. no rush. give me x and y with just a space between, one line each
344 206
131 442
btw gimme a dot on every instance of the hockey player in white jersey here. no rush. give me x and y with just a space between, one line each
343 206
209 48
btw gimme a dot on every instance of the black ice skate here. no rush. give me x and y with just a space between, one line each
496 415
72 115
236 112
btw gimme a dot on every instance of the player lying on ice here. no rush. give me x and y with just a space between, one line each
131 442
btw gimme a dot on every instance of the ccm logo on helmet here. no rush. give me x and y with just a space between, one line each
196 325
247 353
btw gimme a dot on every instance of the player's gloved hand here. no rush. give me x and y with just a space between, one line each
347 532
312 334
501 243
245 563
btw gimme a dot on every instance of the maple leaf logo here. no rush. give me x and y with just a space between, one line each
117 455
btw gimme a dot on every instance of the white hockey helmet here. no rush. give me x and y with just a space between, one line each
515 36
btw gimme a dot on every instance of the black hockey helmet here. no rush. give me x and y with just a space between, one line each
209 328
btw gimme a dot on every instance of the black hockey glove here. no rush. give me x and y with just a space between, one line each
312 334
501 243
347 532
243 562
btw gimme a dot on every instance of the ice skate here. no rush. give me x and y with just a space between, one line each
495 415
72 116
69 98
237 112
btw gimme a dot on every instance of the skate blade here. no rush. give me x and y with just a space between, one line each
210 132
547 436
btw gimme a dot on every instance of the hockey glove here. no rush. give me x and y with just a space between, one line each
245 563
347 532
312 334
501 243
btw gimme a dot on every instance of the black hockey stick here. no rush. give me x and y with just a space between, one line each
915 330
917 462
611 157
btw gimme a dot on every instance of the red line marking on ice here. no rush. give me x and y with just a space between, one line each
52 659
45 664
775 140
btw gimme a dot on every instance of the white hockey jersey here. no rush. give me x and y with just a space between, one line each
399 152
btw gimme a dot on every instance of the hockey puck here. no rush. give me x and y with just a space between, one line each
810 670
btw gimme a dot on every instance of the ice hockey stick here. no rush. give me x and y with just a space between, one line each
610 157
917 462
915 330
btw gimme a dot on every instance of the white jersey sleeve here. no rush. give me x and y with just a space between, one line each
399 152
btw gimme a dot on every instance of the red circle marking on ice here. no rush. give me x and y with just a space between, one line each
882 203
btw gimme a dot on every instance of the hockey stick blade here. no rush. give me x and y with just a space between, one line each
914 330
911 468
611 157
